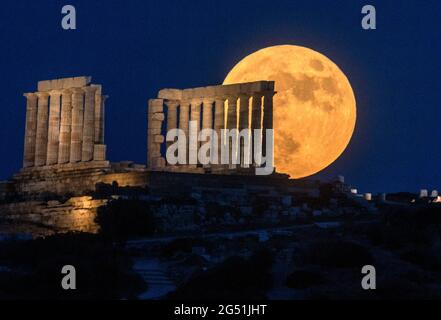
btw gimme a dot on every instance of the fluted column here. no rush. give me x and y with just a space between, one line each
184 117
244 113
232 124
195 115
54 128
65 127
256 119
99 116
184 112
219 123
172 116
77 125
42 129
207 116
30 130
89 124
267 115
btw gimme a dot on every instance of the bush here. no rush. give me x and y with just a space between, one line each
235 278
338 254
122 219
103 271
302 279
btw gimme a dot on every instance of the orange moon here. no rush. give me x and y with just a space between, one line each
314 108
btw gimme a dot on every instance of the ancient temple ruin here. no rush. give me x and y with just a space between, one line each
235 106
64 124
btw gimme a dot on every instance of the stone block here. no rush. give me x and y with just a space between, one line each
158 162
188 94
155 105
158 138
154 131
154 153
79 82
44 85
231 89
158 116
154 124
199 92
171 94
99 152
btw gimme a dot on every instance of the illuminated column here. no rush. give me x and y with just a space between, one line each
267 115
195 115
184 111
89 124
54 128
219 123
244 113
155 139
207 116
99 149
232 124
77 125
256 118
99 116
172 116
65 127
30 130
42 129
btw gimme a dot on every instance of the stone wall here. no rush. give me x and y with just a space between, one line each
76 214
78 179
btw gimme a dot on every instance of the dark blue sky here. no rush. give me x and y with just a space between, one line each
134 48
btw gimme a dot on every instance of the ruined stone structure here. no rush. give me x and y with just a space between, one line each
65 156
235 106
64 124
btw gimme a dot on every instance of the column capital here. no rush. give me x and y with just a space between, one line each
208 101
90 89
196 101
42 95
171 103
55 92
220 99
268 94
66 91
30 95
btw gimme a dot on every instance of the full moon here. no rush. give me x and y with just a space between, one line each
314 108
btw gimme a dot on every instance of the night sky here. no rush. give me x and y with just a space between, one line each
134 48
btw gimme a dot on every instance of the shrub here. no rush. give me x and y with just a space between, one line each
302 279
339 254
122 219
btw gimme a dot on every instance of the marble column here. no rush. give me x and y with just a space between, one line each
77 125
244 114
184 111
195 115
267 115
99 116
54 128
89 124
42 129
30 130
232 124
256 119
172 116
219 123
207 117
65 127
